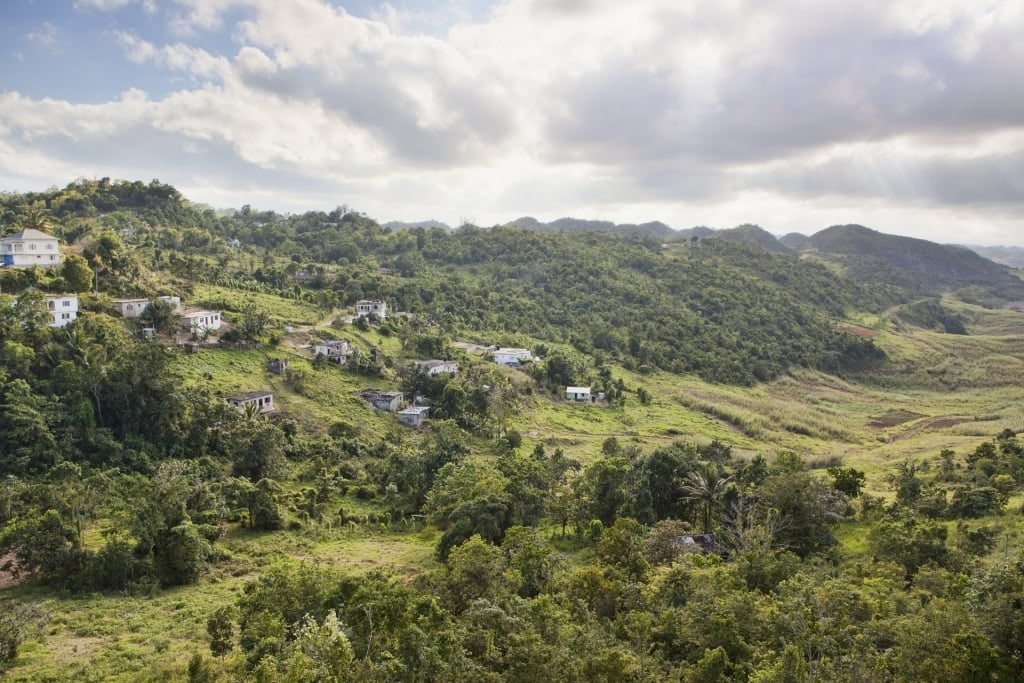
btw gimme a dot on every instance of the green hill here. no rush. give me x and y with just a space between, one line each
916 265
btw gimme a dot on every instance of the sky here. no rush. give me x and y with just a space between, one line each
904 116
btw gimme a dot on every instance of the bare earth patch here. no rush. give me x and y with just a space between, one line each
8 578
857 330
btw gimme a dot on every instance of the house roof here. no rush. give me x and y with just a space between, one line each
129 301
371 394
577 390
433 363
512 351
29 234
194 314
415 410
249 395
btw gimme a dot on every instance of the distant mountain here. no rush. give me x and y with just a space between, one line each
917 265
651 229
794 240
426 225
1009 256
755 236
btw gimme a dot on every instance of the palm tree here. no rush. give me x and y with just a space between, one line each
705 487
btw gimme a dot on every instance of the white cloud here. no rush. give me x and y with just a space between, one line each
667 108
46 36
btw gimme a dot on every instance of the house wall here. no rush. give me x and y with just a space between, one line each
63 310
204 321
28 252
131 309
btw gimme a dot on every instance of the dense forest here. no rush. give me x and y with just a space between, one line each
124 475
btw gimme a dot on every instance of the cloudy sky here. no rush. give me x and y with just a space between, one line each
904 116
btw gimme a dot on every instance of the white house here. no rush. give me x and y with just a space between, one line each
28 248
577 393
383 400
438 367
413 415
133 308
174 301
130 308
365 308
200 321
506 356
337 351
63 309
263 401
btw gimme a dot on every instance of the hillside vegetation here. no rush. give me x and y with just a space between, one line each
847 436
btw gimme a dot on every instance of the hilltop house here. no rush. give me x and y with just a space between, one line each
278 366
63 309
383 400
366 308
336 351
413 416
27 248
263 401
577 393
174 301
130 308
133 308
438 367
506 356
200 321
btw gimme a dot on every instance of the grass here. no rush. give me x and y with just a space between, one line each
937 391
114 637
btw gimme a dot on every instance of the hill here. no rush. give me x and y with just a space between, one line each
755 236
916 265
651 229
766 437
1008 256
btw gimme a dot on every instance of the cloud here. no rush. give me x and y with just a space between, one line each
178 57
46 36
578 105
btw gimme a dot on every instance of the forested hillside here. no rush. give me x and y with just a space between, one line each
787 470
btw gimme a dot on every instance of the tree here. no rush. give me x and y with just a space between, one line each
706 487
77 274
848 480
160 315
17 622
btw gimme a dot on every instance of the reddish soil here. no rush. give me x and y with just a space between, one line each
6 578
931 425
893 418
858 331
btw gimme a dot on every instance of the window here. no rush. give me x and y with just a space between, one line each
65 316
67 303
32 247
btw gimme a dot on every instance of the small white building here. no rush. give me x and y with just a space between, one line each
63 309
263 401
507 356
366 308
200 321
577 393
336 351
174 301
27 248
383 400
133 308
414 416
130 308
438 367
